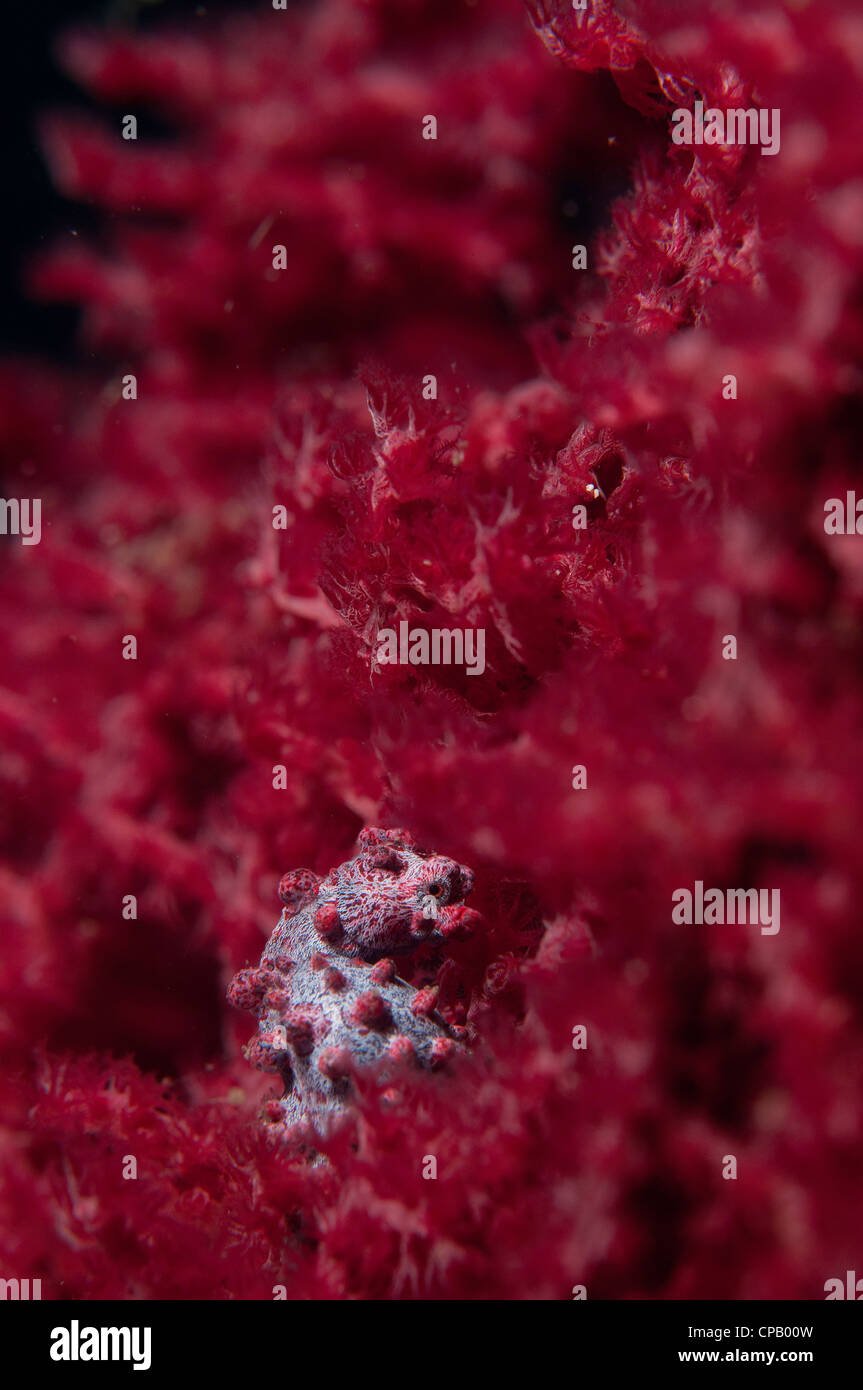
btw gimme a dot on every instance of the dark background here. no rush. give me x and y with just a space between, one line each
34 83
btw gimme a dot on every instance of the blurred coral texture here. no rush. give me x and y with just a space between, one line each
557 387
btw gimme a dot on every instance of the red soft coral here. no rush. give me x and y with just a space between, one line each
557 389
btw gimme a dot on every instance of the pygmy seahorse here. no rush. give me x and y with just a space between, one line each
326 993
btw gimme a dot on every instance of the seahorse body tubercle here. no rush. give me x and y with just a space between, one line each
326 993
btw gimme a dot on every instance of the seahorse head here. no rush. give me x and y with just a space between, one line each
392 896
